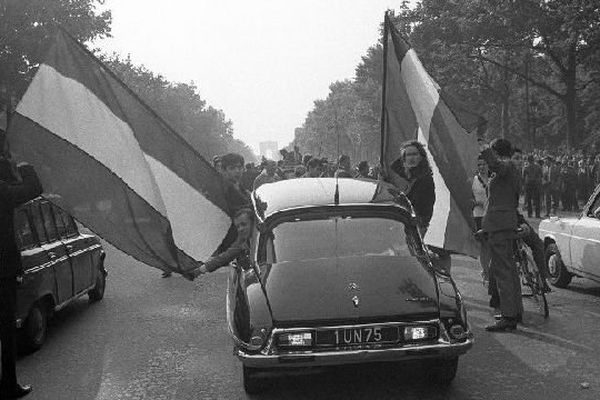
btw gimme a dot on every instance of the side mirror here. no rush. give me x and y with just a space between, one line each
597 213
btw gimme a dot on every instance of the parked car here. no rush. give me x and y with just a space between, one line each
573 244
60 265
341 282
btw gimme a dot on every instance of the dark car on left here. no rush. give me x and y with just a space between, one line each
60 265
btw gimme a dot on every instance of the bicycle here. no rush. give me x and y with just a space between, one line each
530 277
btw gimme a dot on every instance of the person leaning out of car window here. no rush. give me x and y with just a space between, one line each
239 249
499 231
17 186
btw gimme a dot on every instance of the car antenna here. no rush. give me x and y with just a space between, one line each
336 195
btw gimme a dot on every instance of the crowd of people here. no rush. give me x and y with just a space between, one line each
293 165
504 174
242 178
556 181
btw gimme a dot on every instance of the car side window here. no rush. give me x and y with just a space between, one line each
267 254
595 205
38 222
24 233
49 224
70 224
61 227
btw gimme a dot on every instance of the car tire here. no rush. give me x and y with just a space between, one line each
97 293
35 328
442 371
559 276
252 383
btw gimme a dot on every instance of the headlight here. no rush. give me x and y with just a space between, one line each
295 339
419 333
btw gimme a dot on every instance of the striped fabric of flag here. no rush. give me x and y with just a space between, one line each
115 165
414 108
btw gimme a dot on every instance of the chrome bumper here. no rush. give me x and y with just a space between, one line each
441 349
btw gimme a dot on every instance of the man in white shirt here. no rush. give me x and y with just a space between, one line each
480 198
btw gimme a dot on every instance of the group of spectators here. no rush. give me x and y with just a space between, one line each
553 182
241 179
293 165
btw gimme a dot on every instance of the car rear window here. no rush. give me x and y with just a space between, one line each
337 237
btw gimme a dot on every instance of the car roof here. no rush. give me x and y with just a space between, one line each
302 193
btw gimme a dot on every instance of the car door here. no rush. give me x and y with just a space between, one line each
585 240
77 248
57 252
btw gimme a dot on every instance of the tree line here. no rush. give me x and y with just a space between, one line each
26 31
531 68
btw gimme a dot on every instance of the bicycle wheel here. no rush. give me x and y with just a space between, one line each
533 279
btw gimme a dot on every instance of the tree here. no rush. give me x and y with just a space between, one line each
559 37
204 127
26 28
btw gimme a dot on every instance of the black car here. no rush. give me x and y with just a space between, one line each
60 265
340 275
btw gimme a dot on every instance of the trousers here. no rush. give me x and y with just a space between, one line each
532 195
504 286
8 332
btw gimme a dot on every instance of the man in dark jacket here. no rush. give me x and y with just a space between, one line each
499 225
532 175
17 186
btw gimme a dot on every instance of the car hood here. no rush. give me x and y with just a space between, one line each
350 290
555 224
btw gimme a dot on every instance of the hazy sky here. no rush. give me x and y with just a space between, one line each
263 62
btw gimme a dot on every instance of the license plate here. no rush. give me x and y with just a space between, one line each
357 336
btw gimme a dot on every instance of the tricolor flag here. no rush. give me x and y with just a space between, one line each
414 108
115 165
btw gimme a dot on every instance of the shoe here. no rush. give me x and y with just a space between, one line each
16 393
502 325
519 318
167 274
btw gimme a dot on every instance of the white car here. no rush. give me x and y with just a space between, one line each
573 244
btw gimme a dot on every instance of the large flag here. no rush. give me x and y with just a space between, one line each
114 164
414 108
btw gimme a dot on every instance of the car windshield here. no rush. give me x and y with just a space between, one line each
338 237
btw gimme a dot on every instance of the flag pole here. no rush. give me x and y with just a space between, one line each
383 91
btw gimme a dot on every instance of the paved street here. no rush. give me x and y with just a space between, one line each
153 338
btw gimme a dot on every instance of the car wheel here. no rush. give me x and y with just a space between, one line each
559 276
97 293
35 329
442 371
252 383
